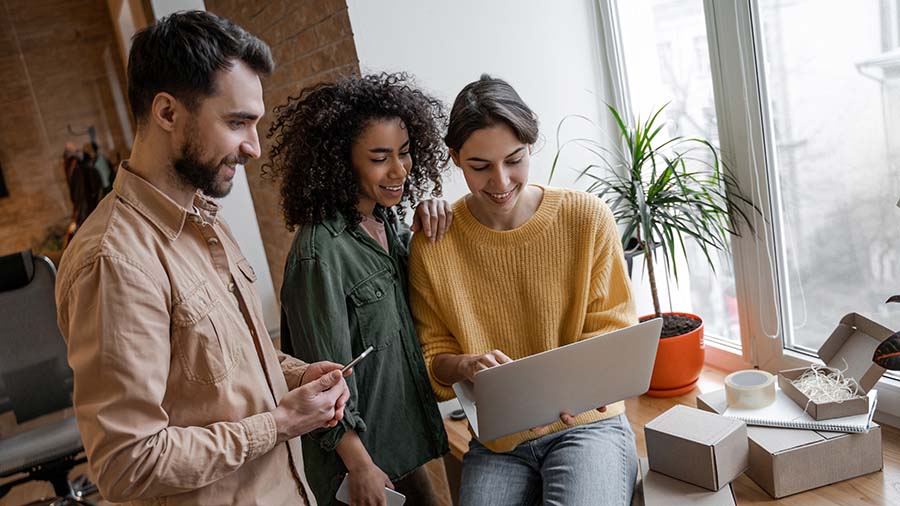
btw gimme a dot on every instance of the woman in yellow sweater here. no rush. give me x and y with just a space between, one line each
525 268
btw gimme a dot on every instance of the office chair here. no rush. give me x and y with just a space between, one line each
36 380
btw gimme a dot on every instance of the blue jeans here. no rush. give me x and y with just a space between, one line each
586 465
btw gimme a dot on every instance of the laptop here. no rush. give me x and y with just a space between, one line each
533 391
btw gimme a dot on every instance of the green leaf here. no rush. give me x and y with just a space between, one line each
887 354
665 190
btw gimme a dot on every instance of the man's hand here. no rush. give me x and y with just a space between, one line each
317 370
318 402
367 486
433 217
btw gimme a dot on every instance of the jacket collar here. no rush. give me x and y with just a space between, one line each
338 223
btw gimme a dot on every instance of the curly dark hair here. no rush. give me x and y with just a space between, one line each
313 134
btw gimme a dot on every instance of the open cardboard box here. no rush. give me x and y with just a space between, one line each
655 489
788 461
701 448
850 346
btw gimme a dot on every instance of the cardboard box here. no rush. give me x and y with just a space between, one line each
788 461
850 346
704 449
655 489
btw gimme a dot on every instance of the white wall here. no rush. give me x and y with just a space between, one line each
165 7
237 207
548 51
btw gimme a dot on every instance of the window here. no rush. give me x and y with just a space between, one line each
666 57
834 109
803 97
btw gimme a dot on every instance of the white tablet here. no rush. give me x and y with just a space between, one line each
533 391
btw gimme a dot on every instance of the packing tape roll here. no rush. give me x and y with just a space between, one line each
750 389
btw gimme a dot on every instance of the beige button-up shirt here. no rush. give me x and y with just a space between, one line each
174 371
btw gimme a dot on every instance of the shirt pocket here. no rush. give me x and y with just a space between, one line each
373 302
247 270
199 331
247 281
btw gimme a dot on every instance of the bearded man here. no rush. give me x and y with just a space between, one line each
180 395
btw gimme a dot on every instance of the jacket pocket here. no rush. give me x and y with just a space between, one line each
374 304
199 336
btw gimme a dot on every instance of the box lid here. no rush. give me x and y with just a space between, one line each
661 490
714 401
775 440
772 439
853 342
694 425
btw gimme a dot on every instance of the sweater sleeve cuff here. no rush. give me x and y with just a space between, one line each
261 434
442 391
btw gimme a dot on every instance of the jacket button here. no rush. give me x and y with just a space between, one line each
378 294
231 287
212 241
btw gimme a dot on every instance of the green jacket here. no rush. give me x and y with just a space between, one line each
341 293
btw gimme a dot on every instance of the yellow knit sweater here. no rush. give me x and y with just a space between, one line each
557 279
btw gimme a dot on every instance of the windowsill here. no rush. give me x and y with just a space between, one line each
725 357
729 359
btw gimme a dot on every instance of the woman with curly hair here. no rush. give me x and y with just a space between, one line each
350 156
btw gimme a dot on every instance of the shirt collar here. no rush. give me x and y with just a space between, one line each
166 214
337 224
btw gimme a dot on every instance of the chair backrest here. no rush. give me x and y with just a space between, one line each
33 363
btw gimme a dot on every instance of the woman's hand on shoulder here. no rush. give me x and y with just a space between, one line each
433 218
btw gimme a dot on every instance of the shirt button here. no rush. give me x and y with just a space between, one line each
231 287
212 241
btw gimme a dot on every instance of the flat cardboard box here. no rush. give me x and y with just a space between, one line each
788 461
704 449
850 346
655 489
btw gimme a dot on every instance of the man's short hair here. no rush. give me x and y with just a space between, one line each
180 55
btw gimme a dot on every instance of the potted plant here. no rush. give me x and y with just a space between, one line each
663 190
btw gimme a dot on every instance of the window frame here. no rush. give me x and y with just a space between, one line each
739 87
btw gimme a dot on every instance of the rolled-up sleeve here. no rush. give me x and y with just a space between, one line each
115 316
314 308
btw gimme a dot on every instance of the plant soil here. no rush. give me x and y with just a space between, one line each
675 325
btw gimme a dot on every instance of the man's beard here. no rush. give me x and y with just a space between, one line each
202 174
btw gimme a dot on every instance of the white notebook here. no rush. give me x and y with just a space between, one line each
784 412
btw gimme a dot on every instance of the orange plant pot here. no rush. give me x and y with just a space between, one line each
679 361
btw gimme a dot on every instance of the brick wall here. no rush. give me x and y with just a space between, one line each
311 41
59 65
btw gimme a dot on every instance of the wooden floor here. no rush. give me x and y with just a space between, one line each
881 488
876 489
